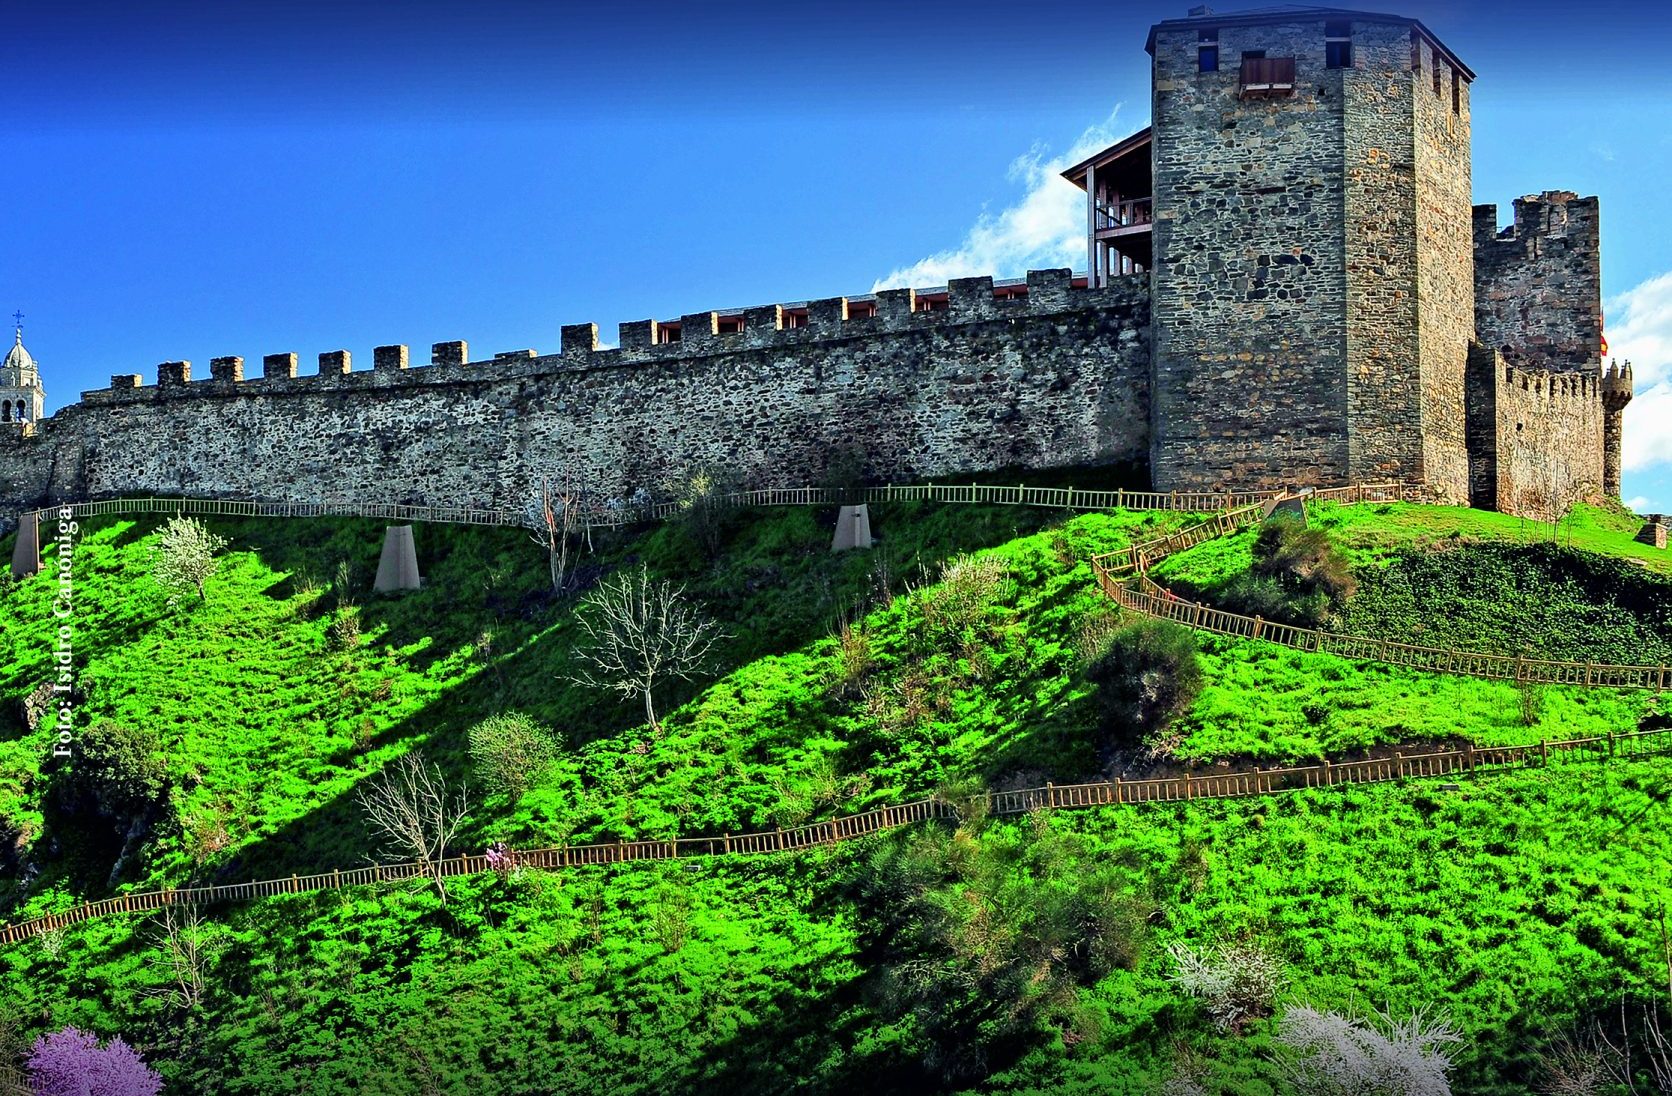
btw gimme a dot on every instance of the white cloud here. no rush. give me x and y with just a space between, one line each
1639 504
1640 331
1044 228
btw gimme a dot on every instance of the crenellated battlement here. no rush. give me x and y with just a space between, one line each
1616 385
788 326
1554 385
904 384
1555 216
1538 281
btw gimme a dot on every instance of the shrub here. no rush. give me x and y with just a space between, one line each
511 751
853 651
69 1062
1328 1054
1531 694
704 508
118 772
344 630
1147 675
1237 982
1298 577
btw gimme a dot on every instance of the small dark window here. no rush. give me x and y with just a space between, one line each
1456 92
1338 45
1253 54
1416 53
1438 77
1207 59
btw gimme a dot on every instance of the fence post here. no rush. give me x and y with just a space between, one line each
1120 498
1399 763
1610 745
1544 751
1327 778
1469 755
1050 794
1117 790
1187 785
1259 625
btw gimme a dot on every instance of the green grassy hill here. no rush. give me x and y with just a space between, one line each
1024 955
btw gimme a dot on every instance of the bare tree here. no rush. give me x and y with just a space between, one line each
638 633
411 808
559 526
186 947
1642 1064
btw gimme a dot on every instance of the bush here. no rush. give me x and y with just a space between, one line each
511 751
1328 1054
117 772
1237 982
1147 675
73 1063
1299 576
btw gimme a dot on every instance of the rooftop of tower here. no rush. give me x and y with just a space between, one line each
1204 18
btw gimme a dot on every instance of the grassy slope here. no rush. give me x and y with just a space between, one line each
535 981
1516 906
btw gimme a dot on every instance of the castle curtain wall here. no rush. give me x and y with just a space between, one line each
1536 436
1057 378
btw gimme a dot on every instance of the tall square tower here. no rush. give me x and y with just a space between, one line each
1312 278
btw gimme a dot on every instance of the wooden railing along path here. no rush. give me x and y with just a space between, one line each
1123 576
606 515
1468 760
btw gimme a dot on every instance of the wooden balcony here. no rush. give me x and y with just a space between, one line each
1124 218
1268 77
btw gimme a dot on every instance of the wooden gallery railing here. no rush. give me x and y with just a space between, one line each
1123 576
1468 760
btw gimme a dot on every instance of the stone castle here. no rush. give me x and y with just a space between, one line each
1286 286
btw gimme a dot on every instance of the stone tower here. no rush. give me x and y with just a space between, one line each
22 399
1616 393
1313 291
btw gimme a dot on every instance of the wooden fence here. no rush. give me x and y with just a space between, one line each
1117 573
604 514
1469 760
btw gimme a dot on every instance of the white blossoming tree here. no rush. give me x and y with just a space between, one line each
184 560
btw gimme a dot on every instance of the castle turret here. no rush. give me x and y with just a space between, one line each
1616 393
22 399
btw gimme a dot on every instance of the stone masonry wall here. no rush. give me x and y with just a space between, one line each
1445 268
1249 304
1383 370
1057 378
1538 283
1536 436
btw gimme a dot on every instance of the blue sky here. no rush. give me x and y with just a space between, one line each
193 180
